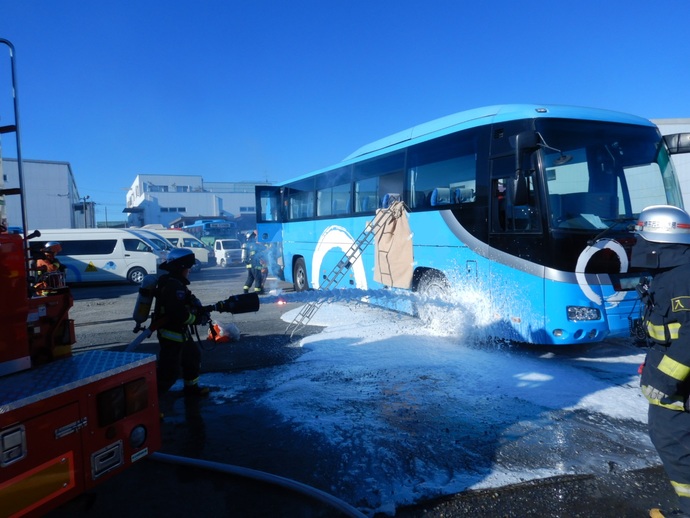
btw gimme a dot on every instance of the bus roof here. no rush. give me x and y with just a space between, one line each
498 113
480 117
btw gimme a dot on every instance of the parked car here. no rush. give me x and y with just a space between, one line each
101 254
179 238
228 252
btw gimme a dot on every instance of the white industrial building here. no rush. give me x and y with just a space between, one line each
163 199
51 196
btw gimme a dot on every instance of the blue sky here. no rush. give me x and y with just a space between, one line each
268 90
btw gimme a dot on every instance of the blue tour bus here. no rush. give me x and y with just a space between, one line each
208 231
532 205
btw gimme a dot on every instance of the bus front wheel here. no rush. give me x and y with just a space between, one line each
299 275
432 285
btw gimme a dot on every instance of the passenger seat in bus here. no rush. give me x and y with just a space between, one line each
440 196
389 198
367 203
463 195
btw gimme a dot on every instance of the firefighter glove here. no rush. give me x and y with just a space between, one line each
202 319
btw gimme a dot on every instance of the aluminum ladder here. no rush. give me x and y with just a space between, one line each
349 258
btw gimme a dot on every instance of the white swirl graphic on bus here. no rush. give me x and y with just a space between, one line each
336 237
584 258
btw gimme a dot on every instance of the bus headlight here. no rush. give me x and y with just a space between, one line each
579 313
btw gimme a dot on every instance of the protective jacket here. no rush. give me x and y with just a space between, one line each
667 321
255 255
176 305
47 264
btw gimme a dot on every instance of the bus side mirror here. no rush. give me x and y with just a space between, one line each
678 143
522 142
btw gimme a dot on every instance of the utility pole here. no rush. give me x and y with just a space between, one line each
84 207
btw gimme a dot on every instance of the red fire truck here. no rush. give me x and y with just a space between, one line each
67 421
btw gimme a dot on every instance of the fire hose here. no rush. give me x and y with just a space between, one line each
261 476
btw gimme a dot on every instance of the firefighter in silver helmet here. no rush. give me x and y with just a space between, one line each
663 249
178 310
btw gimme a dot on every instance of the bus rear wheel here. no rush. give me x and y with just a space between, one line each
299 275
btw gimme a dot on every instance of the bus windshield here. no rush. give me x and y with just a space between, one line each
599 173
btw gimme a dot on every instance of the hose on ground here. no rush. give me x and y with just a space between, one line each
262 476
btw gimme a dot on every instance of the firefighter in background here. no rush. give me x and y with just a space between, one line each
49 262
178 310
50 270
664 251
255 261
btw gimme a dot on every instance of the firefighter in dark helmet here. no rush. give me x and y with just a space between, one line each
178 310
255 261
664 251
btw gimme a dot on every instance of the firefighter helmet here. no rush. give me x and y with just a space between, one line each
178 260
52 247
664 224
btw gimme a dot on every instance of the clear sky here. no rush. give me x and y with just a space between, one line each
269 89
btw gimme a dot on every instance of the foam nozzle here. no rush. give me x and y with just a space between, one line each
236 304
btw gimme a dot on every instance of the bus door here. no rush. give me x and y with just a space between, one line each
516 246
270 215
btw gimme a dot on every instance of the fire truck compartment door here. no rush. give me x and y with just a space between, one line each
50 464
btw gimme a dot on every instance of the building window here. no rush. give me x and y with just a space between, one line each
150 187
247 209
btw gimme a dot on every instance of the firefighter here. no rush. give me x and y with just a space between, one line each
255 262
49 262
664 251
50 270
177 310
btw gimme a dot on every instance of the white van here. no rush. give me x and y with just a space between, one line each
181 239
158 243
101 254
228 251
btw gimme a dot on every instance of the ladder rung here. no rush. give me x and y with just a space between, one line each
8 129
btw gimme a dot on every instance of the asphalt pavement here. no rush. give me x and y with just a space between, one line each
238 435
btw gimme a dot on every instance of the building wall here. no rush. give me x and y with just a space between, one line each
165 198
680 162
50 195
